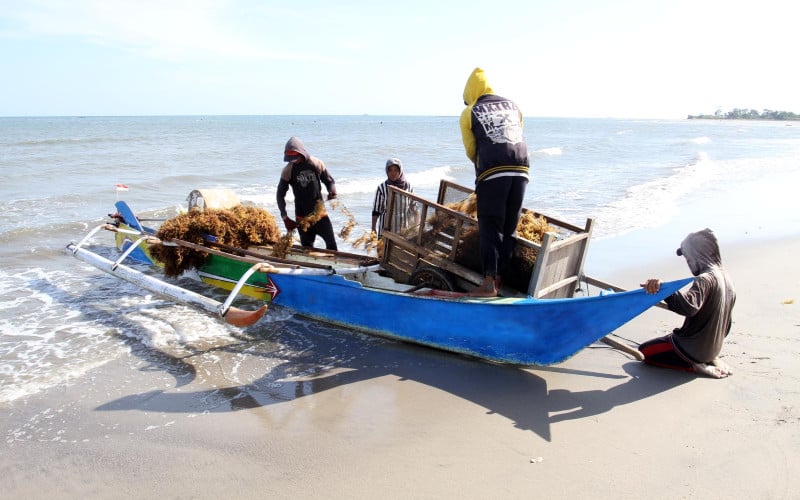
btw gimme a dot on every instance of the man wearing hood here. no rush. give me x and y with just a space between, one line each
491 129
707 305
306 174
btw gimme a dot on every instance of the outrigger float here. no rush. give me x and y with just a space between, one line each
412 292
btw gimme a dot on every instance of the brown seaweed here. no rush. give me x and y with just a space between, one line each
241 227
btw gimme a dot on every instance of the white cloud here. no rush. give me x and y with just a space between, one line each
160 29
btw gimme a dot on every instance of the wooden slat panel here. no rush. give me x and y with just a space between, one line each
559 259
560 289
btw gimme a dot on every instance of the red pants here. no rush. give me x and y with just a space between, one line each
663 352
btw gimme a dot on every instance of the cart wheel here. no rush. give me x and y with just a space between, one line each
432 277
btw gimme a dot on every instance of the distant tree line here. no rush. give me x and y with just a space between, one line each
748 114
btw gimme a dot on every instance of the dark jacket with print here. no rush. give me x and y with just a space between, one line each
491 129
306 178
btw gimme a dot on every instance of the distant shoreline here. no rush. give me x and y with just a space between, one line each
748 114
711 117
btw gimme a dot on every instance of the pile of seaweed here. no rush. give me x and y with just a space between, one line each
241 227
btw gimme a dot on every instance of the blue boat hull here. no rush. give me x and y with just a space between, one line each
521 331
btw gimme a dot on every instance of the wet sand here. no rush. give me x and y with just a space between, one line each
335 414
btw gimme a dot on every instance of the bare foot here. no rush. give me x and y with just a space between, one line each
710 370
722 366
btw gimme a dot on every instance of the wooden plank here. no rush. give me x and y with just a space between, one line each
556 222
608 286
438 258
636 353
583 242
537 276
424 217
547 290
446 186
399 256
348 258
435 206
240 258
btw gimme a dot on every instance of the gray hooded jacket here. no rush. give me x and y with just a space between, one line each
707 304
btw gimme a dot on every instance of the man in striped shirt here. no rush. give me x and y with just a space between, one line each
403 209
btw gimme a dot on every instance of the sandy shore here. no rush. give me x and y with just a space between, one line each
356 417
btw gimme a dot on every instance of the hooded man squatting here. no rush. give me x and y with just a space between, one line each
707 306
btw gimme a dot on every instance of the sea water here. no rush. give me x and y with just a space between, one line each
645 183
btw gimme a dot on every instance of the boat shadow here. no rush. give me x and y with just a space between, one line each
300 359
642 382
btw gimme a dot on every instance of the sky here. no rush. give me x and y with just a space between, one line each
565 58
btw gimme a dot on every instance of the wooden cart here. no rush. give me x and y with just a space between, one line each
424 244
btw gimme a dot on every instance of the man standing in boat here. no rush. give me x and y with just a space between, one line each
491 129
306 174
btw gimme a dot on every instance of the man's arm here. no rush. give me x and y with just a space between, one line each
283 188
467 137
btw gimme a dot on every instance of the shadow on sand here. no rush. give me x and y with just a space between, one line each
297 359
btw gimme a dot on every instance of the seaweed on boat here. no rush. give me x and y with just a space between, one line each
241 227
531 227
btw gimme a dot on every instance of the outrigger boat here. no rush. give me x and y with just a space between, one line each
410 293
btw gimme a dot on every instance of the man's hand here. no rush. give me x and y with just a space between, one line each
332 195
652 285
289 223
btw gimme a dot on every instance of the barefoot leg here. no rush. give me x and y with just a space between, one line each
709 370
722 366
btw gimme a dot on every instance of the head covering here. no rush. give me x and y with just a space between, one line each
476 86
401 181
394 161
293 148
701 251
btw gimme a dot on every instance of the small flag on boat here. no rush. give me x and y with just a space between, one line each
122 187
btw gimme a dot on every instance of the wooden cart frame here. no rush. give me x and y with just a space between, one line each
420 234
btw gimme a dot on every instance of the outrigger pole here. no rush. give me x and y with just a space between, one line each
232 315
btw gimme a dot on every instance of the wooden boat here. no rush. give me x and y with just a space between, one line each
359 292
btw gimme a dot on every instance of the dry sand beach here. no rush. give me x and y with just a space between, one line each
399 421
